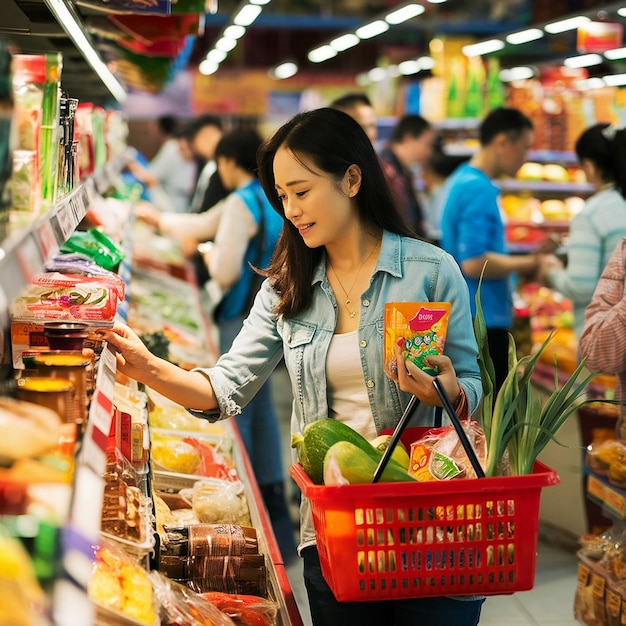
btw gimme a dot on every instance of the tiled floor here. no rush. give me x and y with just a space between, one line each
549 603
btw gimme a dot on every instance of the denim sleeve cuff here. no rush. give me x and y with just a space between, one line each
224 391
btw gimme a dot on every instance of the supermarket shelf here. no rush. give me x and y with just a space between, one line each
601 491
23 253
542 186
550 225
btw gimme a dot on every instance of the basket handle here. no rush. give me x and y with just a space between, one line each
454 418
395 437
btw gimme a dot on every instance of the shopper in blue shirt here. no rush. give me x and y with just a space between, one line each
344 252
473 228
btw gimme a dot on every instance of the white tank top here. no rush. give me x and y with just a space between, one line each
347 394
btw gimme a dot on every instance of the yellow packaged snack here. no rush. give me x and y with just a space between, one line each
419 328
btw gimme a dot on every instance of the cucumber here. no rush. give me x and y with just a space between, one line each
357 467
316 439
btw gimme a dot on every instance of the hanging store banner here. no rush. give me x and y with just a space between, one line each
599 37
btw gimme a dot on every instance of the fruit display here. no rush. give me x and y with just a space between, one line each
551 172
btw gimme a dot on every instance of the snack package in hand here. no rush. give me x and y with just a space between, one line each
419 327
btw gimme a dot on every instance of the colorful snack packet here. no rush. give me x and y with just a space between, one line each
420 326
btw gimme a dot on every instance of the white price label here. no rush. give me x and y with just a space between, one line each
47 240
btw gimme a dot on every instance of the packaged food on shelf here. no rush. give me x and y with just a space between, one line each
215 557
119 584
55 296
97 246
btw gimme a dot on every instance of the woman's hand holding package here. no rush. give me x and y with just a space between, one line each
419 383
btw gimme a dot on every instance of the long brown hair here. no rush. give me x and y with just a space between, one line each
332 141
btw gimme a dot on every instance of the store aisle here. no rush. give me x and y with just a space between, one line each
548 604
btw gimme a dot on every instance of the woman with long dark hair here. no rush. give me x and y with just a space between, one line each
344 251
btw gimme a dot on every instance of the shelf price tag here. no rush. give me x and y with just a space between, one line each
93 452
47 239
607 496
29 257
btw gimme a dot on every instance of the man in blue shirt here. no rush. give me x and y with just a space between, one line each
473 228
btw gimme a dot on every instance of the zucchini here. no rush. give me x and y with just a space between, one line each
399 454
316 439
357 467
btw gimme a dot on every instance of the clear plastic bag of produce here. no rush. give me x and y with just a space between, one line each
244 610
216 501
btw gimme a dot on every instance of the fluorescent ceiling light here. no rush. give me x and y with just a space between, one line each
362 80
409 67
247 15
259 1
226 44
564 25
344 42
583 60
426 63
622 12
524 36
215 55
207 67
589 83
376 74
436 1
393 71
516 73
616 53
483 47
323 53
615 80
76 33
405 13
234 31
372 29
285 70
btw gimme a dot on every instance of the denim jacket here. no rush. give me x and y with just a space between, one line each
407 270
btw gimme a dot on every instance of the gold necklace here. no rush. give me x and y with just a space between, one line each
348 301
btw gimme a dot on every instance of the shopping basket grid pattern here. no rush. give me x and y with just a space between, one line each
405 540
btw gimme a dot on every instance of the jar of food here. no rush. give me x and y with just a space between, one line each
73 366
54 393
65 335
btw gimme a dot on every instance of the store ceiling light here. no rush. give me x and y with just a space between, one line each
208 67
409 67
615 80
234 31
217 56
524 36
247 15
583 60
226 44
373 29
516 73
590 83
323 53
570 23
436 1
405 13
616 53
76 33
377 74
483 47
622 12
284 70
349 40
260 1
426 63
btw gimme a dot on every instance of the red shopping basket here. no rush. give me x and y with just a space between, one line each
388 541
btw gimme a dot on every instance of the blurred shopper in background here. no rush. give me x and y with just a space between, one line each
359 107
243 230
603 336
597 229
436 178
408 150
473 230
171 174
